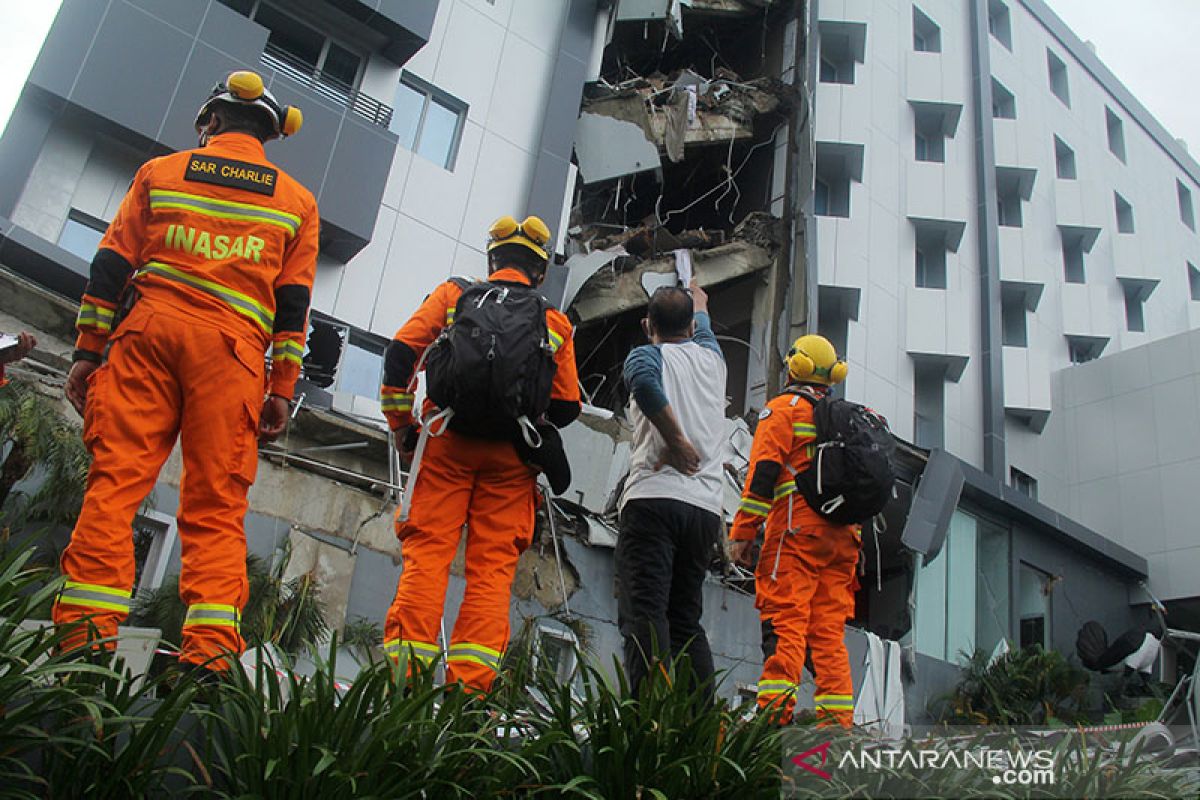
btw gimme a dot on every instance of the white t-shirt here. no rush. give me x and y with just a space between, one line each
693 380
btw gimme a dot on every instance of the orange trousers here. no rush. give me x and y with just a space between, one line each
169 375
805 606
485 486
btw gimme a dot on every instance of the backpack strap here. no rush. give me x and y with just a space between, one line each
462 282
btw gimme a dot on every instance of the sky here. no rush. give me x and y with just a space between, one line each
1148 44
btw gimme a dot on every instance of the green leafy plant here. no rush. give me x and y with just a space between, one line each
1029 686
362 637
288 614
43 441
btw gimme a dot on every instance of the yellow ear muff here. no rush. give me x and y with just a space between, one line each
800 366
292 120
245 85
838 372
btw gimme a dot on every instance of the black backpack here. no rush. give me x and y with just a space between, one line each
494 364
850 479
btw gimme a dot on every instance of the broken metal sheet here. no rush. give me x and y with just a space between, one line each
608 147
683 266
582 266
597 300
598 450
600 534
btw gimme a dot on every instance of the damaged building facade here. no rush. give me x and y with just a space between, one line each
732 140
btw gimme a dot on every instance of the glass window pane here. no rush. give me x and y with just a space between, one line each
437 133
341 65
291 35
360 372
960 587
991 586
80 239
406 114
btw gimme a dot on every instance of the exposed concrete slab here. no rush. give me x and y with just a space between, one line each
599 298
332 567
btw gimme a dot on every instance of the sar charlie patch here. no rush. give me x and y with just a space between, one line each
766 412
227 172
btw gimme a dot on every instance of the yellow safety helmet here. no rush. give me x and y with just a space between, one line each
246 88
532 233
812 359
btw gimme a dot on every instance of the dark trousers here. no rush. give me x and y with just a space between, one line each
663 553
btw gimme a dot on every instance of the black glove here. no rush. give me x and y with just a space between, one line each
550 458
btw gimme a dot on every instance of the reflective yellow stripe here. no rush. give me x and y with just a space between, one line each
774 688
396 401
288 350
834 701
803 429
755 507
555 341
242 304
422 651
450 316
475 654
93 595
225 209
96 316
784 489
212 614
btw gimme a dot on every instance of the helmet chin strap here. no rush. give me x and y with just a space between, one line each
209 129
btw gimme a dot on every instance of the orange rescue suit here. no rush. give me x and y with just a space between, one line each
463 480
221 246
805 579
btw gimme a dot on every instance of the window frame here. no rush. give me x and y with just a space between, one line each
1062 151
86 220
1193 281
319 27
1056 70
1023 482
1114 128
433 93
1187 210
929 40
1123 211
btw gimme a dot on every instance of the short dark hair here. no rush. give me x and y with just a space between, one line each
670 311
519 256
245 119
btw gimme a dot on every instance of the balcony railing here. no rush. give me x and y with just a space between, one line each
329 87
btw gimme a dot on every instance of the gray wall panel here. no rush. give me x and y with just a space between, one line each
183 14
23 139
357 175
131 73
67 44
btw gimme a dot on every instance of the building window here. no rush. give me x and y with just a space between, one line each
1194 281
154 536
1008 207
999 23
927 36
1082 349
1135 314
1187 214
821 199
81 234
1014 330
1033 602
1064 160
930 134
293 46
843 44
555 653
929 404
428 121
838 165
1136 292
962 596
1073 248
1124 214
1116 134
929 256
1023 483
343 358
1058 78
1004 105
